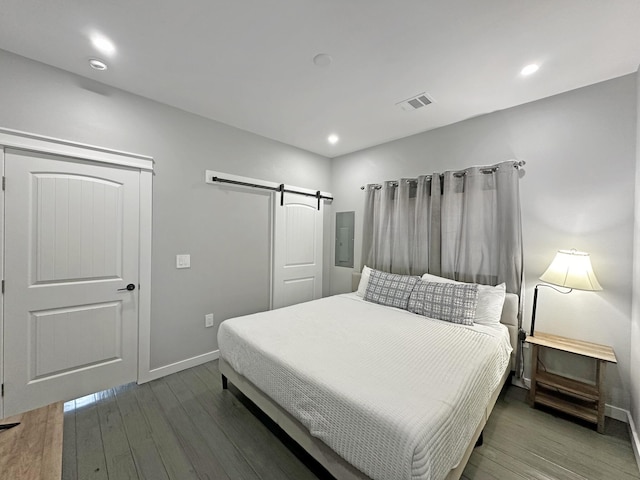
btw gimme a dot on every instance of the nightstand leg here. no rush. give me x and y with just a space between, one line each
534 371
600 385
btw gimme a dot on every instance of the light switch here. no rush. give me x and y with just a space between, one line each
183 261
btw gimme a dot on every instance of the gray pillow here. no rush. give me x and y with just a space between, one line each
451 302
390 289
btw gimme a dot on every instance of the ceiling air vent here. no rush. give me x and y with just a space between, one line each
413 103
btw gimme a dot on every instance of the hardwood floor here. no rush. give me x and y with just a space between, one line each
185 427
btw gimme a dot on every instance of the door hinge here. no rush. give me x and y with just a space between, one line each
2 393
4 182
2 286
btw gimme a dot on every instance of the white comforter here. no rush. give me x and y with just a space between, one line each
395 394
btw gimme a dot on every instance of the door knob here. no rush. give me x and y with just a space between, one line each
129 287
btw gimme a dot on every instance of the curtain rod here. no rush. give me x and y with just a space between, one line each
459 173
281 188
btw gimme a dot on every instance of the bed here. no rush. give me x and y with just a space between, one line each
372 391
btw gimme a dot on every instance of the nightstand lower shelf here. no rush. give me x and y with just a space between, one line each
587 412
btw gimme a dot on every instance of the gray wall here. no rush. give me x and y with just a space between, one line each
225 231
635 319
577 192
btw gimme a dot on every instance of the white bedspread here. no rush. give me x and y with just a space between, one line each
395 394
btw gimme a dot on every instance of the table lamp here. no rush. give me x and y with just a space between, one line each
570 269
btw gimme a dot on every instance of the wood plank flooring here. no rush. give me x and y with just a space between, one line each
185 426
32 449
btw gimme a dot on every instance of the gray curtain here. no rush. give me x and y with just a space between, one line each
461 225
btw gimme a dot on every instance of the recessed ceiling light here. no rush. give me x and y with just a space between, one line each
103 44
529 69
97 64
322 60
333 139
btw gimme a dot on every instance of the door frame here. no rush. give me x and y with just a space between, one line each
39 143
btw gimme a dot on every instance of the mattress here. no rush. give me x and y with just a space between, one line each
395 394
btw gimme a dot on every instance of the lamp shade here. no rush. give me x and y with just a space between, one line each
571 269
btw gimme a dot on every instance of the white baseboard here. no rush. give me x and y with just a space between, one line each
635 440
610 411
178 366
616 413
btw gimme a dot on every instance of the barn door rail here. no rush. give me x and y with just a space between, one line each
213 177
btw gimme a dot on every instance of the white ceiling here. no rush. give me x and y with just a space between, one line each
249 63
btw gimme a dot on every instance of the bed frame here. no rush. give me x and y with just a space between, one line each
330 460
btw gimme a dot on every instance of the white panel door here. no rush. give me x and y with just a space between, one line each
297 259
71 249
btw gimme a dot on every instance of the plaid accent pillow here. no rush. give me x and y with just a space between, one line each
451 302
390 289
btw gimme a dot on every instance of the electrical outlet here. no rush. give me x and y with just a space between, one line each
208 320
183 261
522 335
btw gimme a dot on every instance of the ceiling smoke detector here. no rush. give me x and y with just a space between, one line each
413 103
322 60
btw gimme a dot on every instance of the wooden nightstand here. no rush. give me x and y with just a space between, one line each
580 399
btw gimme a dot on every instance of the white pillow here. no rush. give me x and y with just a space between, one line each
364 281
490 300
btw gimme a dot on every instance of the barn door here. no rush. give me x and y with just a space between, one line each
71 270
297 259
